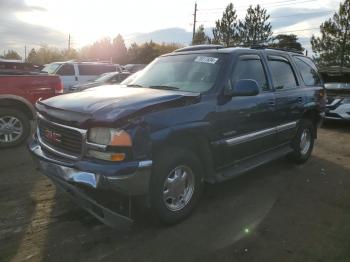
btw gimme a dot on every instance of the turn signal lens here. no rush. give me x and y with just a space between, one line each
120 138
109 136
117 157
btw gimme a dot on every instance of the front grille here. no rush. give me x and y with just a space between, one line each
62 139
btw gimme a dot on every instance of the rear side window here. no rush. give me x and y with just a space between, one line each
98 69
107 68
250 69
89 70
308 71
66 70
283 76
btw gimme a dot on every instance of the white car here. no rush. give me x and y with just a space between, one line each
73 73
338 104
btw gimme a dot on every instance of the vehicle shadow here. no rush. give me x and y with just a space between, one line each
341 126
275 199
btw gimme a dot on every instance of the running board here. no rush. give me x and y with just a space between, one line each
246 165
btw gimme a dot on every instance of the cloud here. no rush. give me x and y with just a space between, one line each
168 35
286 16
16 33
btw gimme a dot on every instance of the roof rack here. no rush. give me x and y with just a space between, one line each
198 47
88 61
276 48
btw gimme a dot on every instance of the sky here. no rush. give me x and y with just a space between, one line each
37 22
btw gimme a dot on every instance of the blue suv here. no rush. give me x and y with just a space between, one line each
202 114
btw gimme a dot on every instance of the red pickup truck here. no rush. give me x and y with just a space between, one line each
18 94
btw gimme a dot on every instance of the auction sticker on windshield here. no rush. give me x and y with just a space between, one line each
206 59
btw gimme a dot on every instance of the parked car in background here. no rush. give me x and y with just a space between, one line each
73 73
16 67
130 78
111 78
337 83
133 68
200 114
18 94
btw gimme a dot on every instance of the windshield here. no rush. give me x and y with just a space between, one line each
337 85
104 77
190 72
51 68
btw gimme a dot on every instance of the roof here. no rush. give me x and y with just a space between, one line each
222 49
12 61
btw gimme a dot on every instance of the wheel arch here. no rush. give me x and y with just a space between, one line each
193 141
17 102
314 117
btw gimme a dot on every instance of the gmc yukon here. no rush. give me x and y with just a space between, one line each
199 115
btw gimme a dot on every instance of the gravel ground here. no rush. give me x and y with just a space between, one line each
278 212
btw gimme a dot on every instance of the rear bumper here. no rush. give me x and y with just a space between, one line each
127 179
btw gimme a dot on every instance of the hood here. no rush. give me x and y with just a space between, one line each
108 104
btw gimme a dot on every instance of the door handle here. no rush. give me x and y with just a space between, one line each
271 102
300 100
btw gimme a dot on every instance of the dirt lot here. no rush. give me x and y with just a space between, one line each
279 212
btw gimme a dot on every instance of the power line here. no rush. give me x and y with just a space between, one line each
271 3
275 17
292 31
266 5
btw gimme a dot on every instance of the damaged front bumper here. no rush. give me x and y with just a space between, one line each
127 179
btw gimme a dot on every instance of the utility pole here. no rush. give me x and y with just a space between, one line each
68 42
194 20
25 53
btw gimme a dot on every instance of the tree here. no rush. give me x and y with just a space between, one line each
255 29
333 46
226 29
287 42
100 50
200 37
11 54
32 57
145 53
119 52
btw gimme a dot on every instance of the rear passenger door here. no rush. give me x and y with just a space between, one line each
289 98
88 72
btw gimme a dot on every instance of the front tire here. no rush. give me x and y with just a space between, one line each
14 127
303 142
176 185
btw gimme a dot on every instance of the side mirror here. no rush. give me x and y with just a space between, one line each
246 87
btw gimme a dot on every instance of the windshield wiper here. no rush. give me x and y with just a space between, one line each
165 87
134 85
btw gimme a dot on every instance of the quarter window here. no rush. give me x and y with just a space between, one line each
283 76
308 71
250 69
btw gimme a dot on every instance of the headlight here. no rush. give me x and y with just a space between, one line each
109 136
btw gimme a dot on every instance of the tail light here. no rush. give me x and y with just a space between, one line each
59 88
323 93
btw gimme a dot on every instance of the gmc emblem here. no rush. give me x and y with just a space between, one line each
52 136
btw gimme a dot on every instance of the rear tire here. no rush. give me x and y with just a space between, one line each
176 185
303 142
14 127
